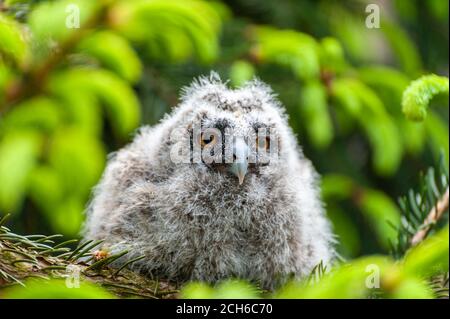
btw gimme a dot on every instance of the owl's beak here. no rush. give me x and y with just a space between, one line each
240 163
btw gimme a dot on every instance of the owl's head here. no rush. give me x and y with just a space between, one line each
232 132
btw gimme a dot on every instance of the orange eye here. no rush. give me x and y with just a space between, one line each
263 143
207 139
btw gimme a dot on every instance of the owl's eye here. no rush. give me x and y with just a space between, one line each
263 143
207 139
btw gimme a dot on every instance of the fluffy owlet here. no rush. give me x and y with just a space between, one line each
205 195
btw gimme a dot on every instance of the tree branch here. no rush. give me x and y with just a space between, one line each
435 214
23 257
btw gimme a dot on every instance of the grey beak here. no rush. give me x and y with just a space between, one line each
240 164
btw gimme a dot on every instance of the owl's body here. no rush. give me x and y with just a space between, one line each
195 221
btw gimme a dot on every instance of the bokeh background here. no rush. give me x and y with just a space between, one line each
70 96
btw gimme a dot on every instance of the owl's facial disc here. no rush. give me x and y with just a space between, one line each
240 155
234 147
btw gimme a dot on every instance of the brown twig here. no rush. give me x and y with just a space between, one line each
435 214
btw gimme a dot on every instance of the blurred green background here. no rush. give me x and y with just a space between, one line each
70 96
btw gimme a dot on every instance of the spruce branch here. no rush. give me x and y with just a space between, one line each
435 214
24 257
439 285
422 209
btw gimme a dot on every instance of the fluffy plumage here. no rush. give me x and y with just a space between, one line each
194 221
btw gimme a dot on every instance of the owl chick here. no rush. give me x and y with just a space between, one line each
257 217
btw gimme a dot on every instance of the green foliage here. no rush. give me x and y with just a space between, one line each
289 48
56 289
362 103
315 112
240 72
48 20
12 42
377 209
68 96
233 289
19 155
173 30
63 89
430 257
404 49
327 81
40 113
114 53
106 89
438 133
417 205
419 93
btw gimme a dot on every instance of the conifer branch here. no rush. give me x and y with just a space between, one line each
24 257
432 218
